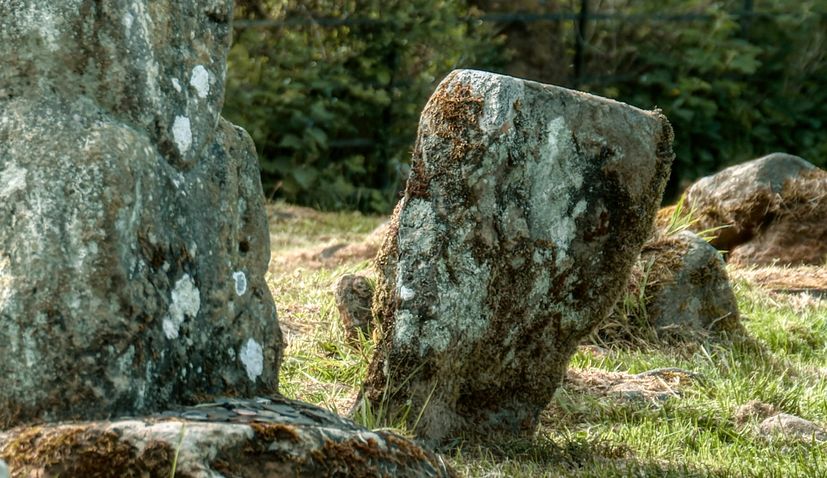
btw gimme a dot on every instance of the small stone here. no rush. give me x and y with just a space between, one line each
4 469
687 286
791 427
354 298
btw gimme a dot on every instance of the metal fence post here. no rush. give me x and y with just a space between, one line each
746 17
580 42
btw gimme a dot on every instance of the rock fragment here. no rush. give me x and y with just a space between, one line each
791 427
354 299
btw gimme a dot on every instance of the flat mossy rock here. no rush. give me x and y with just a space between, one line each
133 239
526 207
742 201
229 438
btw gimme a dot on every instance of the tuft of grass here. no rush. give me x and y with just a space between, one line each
781 362
685 219
178 450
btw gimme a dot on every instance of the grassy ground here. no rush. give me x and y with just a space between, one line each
605 421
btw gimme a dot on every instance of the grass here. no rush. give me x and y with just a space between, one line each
696 431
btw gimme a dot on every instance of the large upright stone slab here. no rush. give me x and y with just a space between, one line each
133 241
525 209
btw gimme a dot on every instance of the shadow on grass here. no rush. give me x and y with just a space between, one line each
574 455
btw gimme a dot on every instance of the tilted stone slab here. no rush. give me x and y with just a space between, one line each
526 206
133 240
250 438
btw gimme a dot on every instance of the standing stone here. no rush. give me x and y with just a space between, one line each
796 231
133 241
526 206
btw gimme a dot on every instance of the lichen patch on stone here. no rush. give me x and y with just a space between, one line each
12 179
252 356
240 283
182 133
186 301
200 80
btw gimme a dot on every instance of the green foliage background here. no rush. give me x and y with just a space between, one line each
334 108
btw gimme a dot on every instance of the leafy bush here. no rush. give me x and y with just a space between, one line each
734 87
334 109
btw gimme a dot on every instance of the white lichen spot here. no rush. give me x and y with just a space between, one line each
555 178
240 283
200 80
127 21
418 228
500 93
176 84
182 133
12 179
406 293
186 301
404 328
252 356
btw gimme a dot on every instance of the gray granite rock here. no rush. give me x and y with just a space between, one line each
739 197
133 240
526 207
791 427
264 437
688 288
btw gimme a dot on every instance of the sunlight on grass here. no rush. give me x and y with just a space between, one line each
781 362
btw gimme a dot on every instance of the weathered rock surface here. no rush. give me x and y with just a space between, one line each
773 209
133 242
526 206
231 438
791 427
796 231
354 299
687 285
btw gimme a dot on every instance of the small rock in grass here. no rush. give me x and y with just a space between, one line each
354 296
4 469
791 427
754 409
679 289
687 285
